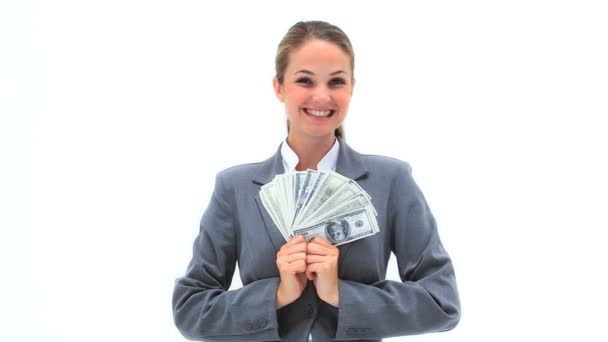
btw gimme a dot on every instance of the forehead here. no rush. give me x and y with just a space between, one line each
318 56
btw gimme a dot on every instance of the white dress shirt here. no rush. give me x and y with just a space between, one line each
327 163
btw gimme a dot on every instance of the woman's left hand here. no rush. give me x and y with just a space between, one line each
322 268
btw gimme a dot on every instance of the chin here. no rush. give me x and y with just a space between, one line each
321 134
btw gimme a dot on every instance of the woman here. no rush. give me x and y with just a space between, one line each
297 289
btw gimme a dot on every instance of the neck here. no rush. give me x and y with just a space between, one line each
310 151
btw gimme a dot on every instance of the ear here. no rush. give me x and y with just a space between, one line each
352 88
278 89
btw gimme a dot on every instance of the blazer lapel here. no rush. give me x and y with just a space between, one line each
273 231
351 165
269 168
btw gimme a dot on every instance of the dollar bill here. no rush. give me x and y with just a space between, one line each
330 186
353 203
299 201
346 191
268 200
307 187
343 228
321 177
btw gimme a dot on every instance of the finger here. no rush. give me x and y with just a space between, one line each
319 268
311 271
301 275
311 275
297 248
314 258
297 266
293 248
295 240
315 248
295 257
322 241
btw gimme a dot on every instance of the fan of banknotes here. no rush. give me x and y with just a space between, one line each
319 203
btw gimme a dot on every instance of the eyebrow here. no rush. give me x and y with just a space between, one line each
304 71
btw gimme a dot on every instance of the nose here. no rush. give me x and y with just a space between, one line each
321 96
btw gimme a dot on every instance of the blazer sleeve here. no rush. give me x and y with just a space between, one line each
203 308
426 299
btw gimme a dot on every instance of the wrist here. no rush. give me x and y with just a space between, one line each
333 298
281 297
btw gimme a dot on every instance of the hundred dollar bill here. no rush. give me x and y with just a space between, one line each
298 180
343 228
298 201
307 187
311 194
286 202
276 200
346 191
331 185
353 203
273 208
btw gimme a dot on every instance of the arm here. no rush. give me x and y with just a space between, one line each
203 308
427 299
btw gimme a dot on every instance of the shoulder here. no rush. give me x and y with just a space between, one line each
380 169
394 173
388 166
238 172
229 181
236 177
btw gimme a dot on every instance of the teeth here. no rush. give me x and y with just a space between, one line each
318 112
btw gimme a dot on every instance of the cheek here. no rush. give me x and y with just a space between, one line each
343 98
295 98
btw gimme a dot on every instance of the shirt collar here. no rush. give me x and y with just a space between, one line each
327 163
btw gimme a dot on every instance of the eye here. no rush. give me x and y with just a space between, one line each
336 82
304 81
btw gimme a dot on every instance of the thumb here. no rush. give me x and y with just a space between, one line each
310 274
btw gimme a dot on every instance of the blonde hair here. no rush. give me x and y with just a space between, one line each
300 33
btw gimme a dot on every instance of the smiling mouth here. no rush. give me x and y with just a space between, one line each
319 113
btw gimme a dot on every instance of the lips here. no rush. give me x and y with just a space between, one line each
320 113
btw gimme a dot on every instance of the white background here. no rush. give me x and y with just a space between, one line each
116 116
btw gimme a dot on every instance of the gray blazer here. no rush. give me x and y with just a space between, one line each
236 228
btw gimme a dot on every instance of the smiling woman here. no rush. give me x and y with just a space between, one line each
327 48
297 289
316 88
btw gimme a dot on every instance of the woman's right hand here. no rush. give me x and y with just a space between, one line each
291 262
